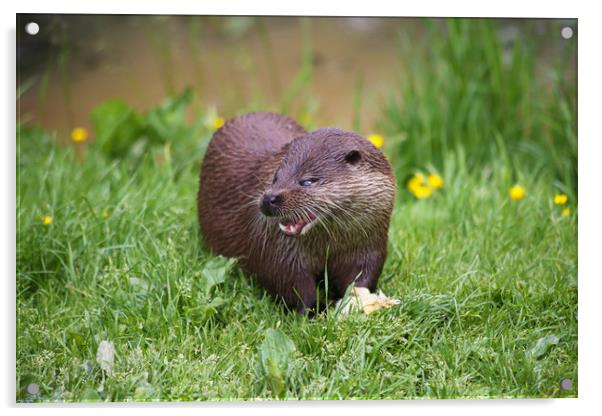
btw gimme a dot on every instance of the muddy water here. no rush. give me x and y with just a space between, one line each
143 59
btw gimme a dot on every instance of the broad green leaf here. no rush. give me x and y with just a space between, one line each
144 391
105 356
90 395
167 122
543 345
215 271
275 355
201 313
117 127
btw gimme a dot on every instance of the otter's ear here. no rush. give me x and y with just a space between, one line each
353 157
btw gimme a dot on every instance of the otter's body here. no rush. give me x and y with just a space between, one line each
292 205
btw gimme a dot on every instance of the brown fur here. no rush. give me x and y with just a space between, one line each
264 153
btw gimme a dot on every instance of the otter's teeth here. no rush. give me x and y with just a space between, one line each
291 228
298 228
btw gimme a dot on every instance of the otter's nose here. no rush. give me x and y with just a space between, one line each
269 203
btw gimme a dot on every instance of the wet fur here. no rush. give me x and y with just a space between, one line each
264 152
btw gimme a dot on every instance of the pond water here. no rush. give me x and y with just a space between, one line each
233 64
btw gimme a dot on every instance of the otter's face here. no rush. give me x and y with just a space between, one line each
323 179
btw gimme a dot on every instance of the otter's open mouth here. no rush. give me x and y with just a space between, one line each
297 227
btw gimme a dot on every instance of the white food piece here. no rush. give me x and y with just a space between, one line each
362 300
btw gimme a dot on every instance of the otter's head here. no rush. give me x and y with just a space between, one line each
332 178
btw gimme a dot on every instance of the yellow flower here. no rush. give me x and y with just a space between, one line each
560 199
79 134
517 193
423 187
422 192
105 214
419 187
305 119
377 140
218 122
416 181
46 220
565 212
435 181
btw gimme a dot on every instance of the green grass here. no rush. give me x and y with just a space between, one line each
481 278
466 91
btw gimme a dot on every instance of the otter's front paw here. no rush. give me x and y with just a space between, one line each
361 299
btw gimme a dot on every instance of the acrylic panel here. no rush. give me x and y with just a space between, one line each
317 208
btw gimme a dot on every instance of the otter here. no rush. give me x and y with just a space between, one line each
293 205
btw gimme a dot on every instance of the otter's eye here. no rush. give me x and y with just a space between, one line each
308 182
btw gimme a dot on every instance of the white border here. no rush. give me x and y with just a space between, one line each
590 136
